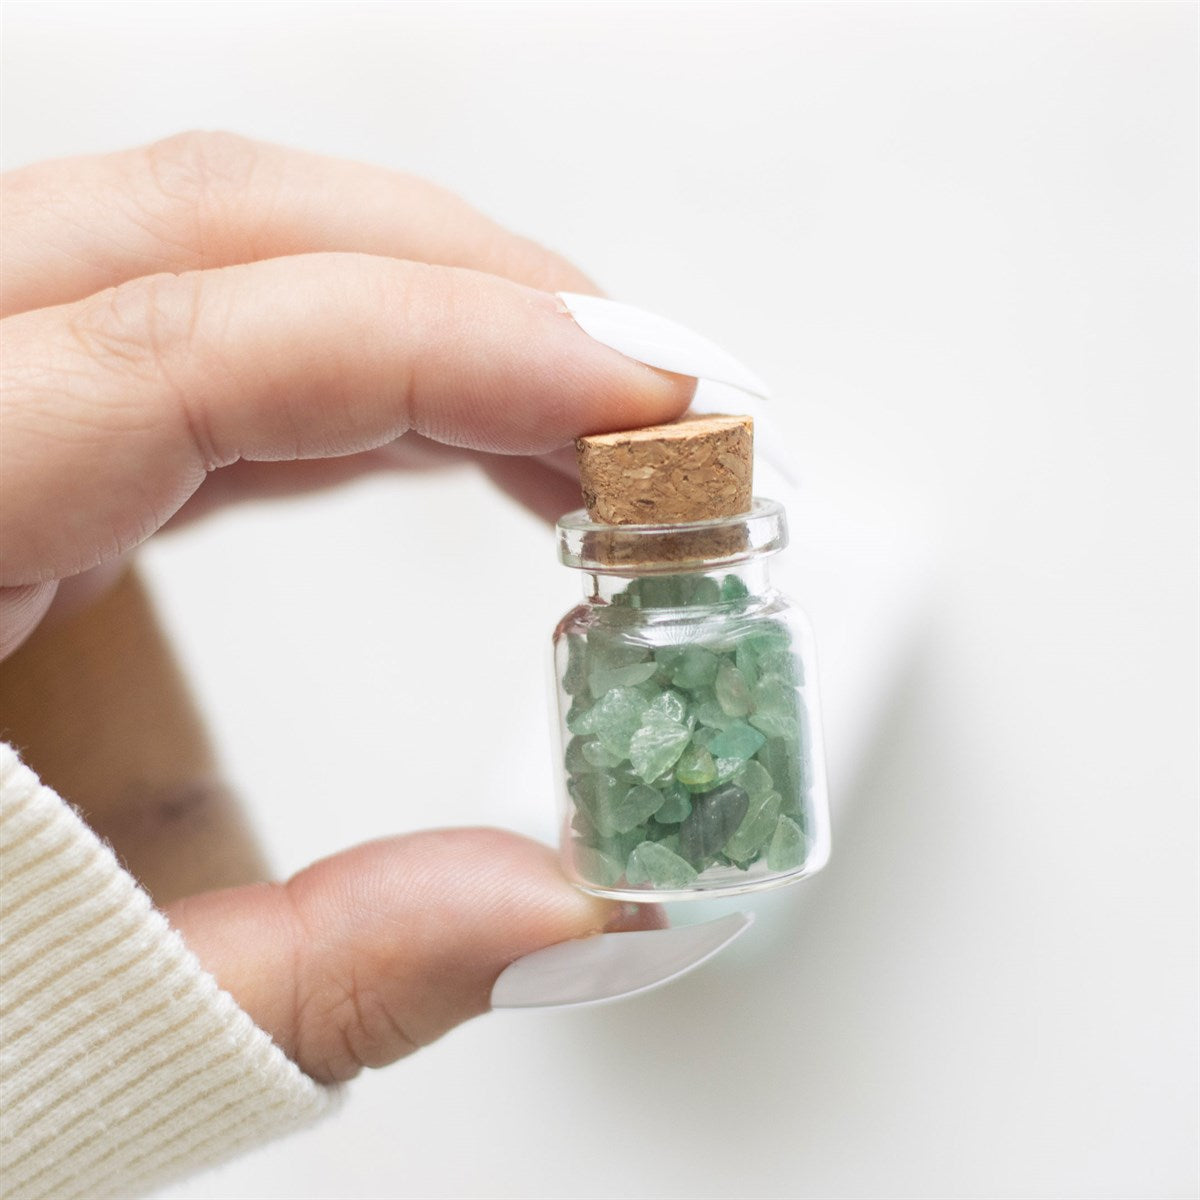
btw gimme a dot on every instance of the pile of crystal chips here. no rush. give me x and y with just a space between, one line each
689 757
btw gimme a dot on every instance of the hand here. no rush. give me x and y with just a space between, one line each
208 317
179 315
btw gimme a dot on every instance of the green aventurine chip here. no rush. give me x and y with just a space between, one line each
696 767
596 754
697 668
787 846
656 746
676 805
690 757
614 719
756 829
603 679
756 779
733 695
653 863
775 709
597 867
670 705
634 808
714 819
738 741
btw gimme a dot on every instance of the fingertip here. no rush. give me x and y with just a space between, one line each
626 393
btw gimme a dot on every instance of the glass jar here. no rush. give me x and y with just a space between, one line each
690 752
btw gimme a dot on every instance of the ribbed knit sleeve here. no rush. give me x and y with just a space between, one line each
122 1063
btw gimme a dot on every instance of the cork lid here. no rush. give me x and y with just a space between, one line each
699 468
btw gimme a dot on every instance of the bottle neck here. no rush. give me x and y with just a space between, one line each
687 589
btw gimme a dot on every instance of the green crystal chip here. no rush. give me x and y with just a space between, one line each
770 636
782 761
670 705
747 662
696 767
604 679
596 795
656 747
782 665
573 757
676 805
738 741
732 693
708 712
608 648
662 591
703 591
787 846
756 779
597 754
575 675
634 808
727 769
668 657
714 818
756 829
733 588
594 866
775 709
655 864
697 668
614 719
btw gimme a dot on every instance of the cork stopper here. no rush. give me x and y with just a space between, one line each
699 468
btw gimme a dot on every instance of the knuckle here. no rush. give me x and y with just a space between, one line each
138 325
145 330
199 164
367 1028
194 182
337 1025
341 1026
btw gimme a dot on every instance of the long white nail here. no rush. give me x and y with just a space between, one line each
610 966
657 342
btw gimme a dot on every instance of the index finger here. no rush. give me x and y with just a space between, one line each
117 406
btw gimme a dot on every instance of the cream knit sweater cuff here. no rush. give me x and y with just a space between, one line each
122 1063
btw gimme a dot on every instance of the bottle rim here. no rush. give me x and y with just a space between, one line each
588 545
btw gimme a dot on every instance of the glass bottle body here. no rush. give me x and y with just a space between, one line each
691 759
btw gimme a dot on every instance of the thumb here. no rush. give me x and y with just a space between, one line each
365 957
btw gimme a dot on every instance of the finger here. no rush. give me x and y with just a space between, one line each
375 952
76 226
118 405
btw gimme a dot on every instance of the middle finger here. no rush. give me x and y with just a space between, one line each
77 226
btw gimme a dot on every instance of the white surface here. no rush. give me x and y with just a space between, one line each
960 242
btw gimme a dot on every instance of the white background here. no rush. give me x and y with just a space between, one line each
960 239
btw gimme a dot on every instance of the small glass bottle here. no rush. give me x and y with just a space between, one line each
691 760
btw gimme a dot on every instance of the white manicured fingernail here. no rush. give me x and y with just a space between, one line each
657 342
610 966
